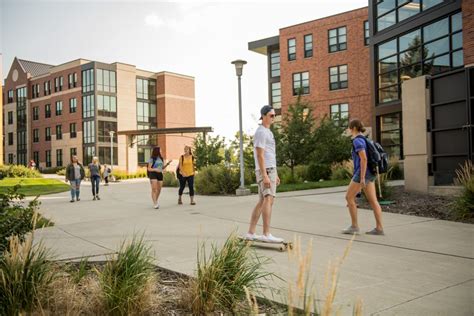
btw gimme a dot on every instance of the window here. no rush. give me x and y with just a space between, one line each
72 152
89 153
59 132
10 159
338 77
89 132
308 45
58 84
47 133
72 130
10 96
390 134
72 80
104 128
35 91
59 157
47 88
301 83
434 48
275 64
366 33
72 105
106 105
144 155
146 89
36 135
35 113
36 158
276 95
59 108
337 39
340 113
146 113
390 12
88 106
10 139
10 117
106 80
291 49
104 155
48 158
47 110
88 80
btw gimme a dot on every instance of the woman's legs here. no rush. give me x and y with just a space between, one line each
94 184
371 195
154 190
191 188
158 191
351 193
72 183
78 189
182 184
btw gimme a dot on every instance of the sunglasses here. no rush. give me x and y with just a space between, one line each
272 115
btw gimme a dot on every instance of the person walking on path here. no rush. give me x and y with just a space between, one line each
107 172
75 174
267 176
94 171
362 179
155 173
185 174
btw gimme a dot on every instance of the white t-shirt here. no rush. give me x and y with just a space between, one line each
264 139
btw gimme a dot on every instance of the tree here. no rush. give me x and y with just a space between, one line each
331 143
249 161
209 152
294 139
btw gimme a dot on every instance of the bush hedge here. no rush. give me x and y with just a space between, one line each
217 179
51 170
319 171
18 171
169 179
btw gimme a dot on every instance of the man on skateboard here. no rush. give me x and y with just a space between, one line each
267 177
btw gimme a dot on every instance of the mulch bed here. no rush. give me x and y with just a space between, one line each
419 204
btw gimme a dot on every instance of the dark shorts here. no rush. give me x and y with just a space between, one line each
368 178
156 176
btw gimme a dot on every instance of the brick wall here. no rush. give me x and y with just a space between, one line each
468 31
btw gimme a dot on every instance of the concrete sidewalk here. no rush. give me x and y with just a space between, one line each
421 267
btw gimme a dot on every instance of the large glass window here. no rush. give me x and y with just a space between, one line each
146 89
337 39
390 133
366 33
59 157
105 127
276 95
89 153
88 131
10 96
106 80
339 113
432 49
338 77
291 49
104 155
107 106
308 45
88 80
88 106
146 112
275 63
390 12
301 83
144 154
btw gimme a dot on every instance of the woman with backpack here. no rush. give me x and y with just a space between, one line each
362 179
75 174
155 174
185 173
94 171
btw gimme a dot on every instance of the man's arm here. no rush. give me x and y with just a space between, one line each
261 164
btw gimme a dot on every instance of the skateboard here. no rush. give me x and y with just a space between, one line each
282 246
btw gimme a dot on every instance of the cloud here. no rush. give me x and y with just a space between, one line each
154 20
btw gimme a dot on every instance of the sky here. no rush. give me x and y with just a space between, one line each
194 38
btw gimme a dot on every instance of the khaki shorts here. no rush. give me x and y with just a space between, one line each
262 190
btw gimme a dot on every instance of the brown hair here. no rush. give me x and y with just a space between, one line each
190 149
357 124
156 153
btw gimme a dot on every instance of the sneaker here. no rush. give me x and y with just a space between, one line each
180 202
78 199
94 198
271 238
72 201
351 230
250 236
375 231
193 203
98 198
157 206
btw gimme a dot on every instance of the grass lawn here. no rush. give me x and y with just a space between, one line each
34 186
307 185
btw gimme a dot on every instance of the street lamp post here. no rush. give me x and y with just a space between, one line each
239 65
111 150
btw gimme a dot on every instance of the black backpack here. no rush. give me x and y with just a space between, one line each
377 158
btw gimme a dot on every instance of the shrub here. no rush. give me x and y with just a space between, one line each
123 175
18 171
223 277
126 280
61 172
284 173
397 169
26 272
302 172
318 171
51 170
217 179
342 170
464 205
169 179
16 219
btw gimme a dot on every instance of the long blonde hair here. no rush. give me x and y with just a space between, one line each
95 160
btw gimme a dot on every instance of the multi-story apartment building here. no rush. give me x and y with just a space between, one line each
410 39
54 112
326 60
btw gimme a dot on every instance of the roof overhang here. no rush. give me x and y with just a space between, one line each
173 130
261 46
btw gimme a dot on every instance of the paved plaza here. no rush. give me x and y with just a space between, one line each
422 266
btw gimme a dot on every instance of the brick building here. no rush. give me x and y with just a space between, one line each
327 60
54 112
